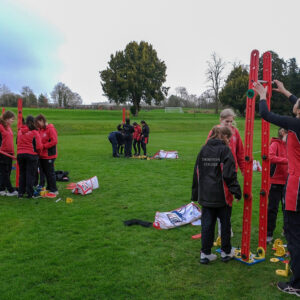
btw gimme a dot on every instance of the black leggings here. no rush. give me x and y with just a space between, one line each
5 170
138 143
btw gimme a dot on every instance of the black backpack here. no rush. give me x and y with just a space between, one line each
62 175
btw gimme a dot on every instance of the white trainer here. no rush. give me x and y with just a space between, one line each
227 256
14 193
2 193
206 258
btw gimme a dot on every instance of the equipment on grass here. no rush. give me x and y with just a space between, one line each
196 236
218 241
178 217
246 255
84 187
69 200
284 272
161 154
279 248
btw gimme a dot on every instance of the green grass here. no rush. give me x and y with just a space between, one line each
82 250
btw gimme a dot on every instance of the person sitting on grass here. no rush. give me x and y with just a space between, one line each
215 167
278 177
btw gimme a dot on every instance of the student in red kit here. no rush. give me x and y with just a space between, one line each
29 144
137 138
292 188
278 176
6 147
48 136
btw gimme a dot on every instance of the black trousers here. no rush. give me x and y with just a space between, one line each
128 145
137 150
47 166
292 233
275 196
114 143
28 168
5 171
208 223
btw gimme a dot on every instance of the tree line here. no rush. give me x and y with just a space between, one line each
61 96
137 75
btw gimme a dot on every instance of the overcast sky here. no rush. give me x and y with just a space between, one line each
47 41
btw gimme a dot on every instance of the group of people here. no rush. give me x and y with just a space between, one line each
215 182
36 149
128 135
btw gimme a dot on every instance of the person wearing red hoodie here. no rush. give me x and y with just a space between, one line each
137 138
6 147
29 144
278 176
292 187
48 136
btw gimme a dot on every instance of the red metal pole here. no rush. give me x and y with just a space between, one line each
124 113
20 108
265 141
250 109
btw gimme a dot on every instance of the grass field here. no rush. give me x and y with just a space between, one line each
82 250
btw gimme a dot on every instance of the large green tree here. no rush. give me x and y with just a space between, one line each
234 92
135 74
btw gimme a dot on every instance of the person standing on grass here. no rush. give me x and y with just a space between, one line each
116 139
6 146
236 146
48 155
215 165
137 139
128 131
145 136
278 176
292 189
29 145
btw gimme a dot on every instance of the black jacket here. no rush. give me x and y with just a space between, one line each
128 129
214 166
145 130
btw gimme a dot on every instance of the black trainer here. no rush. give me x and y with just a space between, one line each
286 288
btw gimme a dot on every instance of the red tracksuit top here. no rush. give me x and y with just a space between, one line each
237 148
279 161
292 192
137 133
49 140
6 139
29 141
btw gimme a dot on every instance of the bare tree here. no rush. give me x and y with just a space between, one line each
214 76
64 97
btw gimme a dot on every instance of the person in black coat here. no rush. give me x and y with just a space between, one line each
128 132
145 136
116 138
214 169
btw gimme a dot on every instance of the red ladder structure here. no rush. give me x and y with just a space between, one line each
250 109
265 135
265 141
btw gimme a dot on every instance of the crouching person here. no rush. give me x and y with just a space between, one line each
214 177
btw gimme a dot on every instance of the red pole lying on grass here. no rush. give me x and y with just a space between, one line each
20 116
